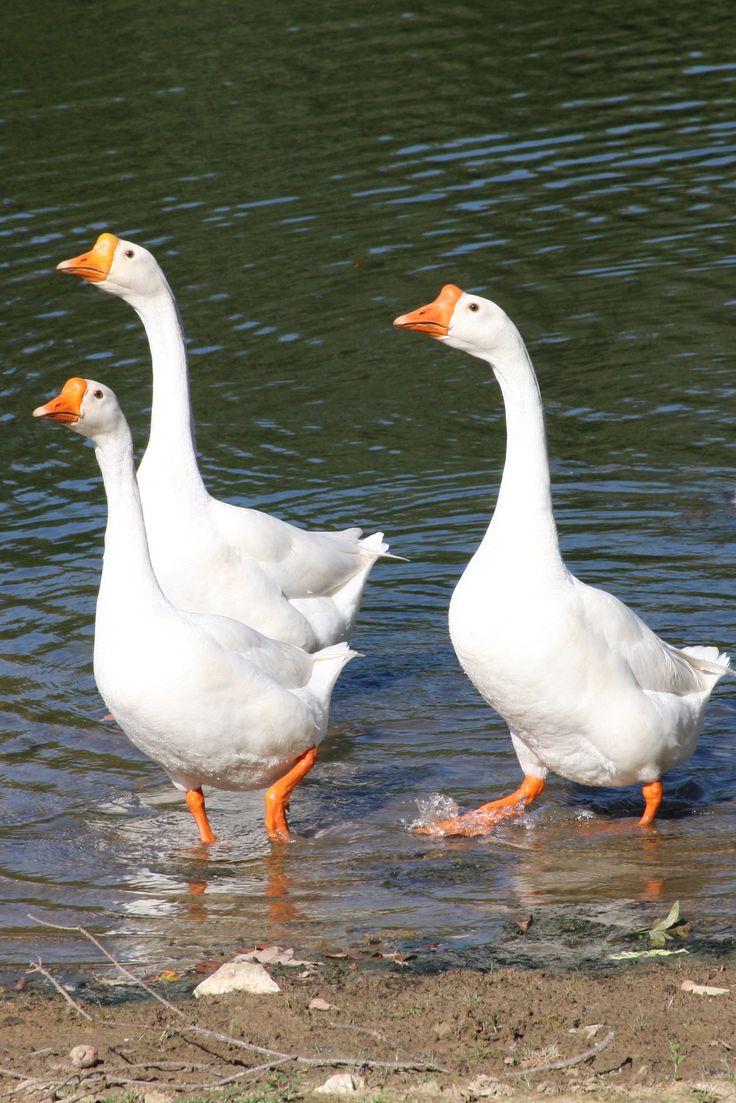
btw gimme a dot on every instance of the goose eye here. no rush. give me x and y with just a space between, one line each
98 394
129 253
473 307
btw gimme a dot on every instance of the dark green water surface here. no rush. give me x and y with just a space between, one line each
304 173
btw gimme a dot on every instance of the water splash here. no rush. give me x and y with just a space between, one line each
434 808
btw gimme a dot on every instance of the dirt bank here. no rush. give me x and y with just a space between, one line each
457 1036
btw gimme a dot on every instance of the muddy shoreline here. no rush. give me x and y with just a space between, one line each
625 1030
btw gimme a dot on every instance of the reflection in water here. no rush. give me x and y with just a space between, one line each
279 909
579 172
418 890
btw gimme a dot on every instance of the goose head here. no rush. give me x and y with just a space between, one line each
467 322
120 267
87 407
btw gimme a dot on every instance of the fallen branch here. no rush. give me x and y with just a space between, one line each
170 1085
30 1085
38 967
568 1061
315 1062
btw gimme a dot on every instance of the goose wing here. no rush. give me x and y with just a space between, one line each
289 666
303 563
656 665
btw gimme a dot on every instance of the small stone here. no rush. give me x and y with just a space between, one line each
83 1057
342 1083
242 976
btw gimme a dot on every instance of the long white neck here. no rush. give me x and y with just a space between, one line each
523 524
128 581
171 454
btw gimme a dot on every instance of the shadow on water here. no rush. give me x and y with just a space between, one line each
303 180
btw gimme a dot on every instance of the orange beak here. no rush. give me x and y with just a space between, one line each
434 318
93 266
67 406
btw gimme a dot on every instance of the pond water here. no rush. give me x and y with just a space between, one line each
304 174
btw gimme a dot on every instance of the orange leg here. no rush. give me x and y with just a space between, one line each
195 802
277 797
483 819
652 794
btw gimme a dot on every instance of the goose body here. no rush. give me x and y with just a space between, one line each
587 689
210 699
294 585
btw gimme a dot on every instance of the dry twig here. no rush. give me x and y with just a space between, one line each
38 967
567 1061
170 1085
126 972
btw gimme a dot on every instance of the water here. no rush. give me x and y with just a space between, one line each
303 176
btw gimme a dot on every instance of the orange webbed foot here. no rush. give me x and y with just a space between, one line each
483 820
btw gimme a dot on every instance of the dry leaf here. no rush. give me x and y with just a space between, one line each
703 989
626 954
395 956
207 966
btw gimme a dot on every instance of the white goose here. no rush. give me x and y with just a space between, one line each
211 700
587 690
301 587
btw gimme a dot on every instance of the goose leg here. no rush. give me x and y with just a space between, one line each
483 819
652 794
277 797
195 803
